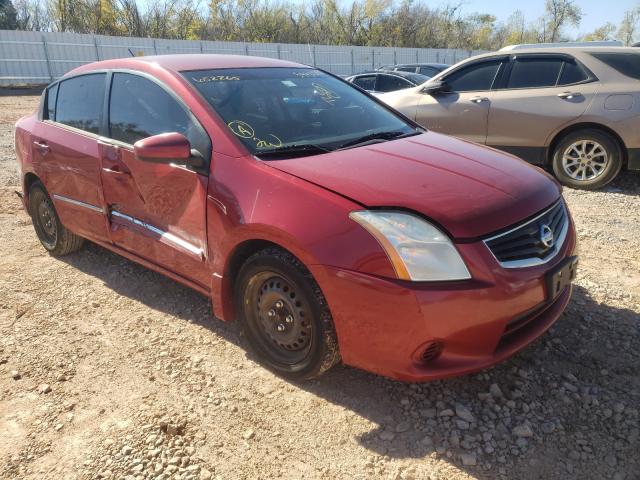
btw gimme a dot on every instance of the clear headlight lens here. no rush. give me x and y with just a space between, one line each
418 250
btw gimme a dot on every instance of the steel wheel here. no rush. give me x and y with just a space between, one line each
284 315
585 160
53 235
44 218
279 315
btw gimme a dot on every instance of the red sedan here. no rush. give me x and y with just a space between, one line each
329 225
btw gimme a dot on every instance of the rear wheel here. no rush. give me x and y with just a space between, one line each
284 315
587 159
55 238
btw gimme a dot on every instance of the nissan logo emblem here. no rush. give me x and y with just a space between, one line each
546 235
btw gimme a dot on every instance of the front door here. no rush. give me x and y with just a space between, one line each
463 108
66 153
157 211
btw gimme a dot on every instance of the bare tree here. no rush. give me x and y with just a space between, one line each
560 13
603 32
629 26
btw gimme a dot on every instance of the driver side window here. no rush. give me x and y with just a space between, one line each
139 108
476 77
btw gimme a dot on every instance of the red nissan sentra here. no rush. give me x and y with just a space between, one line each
329 225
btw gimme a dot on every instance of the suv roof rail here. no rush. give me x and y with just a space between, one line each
524 46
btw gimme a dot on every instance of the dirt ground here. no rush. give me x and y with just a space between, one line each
108 370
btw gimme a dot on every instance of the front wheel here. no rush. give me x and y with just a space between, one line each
587 159
284 315
55 238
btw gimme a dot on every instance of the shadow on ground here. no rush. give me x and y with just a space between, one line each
584 342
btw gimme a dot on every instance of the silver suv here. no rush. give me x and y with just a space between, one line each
574 108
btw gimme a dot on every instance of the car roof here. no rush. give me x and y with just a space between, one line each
557 50
408 75
438 65
185 62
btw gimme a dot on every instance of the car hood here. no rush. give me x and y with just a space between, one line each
469 189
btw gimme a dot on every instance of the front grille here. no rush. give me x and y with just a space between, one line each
533 242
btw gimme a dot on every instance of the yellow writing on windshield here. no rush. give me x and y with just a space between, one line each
244 130
241 129
325 94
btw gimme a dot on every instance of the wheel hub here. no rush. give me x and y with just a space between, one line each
46 218
282 315
585 160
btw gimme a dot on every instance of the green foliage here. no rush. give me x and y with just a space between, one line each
398 23
7 15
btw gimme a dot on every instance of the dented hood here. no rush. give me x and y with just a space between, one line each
469 189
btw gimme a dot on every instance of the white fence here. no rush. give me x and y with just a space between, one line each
31 58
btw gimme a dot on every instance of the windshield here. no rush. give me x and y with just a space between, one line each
291 109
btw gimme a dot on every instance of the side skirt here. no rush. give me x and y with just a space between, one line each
156 268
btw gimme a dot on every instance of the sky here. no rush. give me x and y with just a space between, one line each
595 13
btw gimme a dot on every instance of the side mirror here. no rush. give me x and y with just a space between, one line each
167 148
432 88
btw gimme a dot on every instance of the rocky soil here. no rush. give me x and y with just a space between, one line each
108 370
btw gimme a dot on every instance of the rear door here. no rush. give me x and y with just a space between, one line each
462 110
66 153
539 95
157 211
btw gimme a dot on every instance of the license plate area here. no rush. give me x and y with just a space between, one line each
560 277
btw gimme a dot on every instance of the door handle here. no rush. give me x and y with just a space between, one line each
479 99
43 147
117 169
568 95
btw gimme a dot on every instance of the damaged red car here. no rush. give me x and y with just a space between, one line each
332 227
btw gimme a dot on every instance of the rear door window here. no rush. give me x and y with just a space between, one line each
79 102
528 72
626 63
366 83
476 77
390 83
140 108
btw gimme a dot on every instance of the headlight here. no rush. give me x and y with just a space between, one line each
418 250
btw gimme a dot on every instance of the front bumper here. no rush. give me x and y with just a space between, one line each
382 324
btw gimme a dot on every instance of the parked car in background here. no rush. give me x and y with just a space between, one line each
576 109
428 69
381 82
329 225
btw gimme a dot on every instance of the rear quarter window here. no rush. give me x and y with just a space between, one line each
626 63
79 102
572 73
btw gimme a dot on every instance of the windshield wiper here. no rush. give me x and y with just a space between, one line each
292 150
378 137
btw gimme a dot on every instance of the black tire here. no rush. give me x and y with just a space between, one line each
55 238
306 346
607 172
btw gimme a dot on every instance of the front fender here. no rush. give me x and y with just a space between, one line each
248 201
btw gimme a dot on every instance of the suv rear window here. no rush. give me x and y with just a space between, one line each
626 63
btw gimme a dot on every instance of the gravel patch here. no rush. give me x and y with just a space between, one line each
108 370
